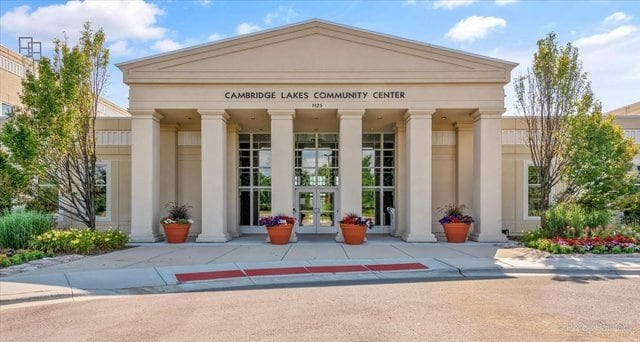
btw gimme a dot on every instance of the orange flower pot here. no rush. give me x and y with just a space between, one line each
176 232
280 234
456 232
353 233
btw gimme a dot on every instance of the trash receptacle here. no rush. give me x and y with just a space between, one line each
392 213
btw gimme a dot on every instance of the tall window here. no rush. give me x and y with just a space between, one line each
6 110
378 181
532 191
255 177
102 200
317 160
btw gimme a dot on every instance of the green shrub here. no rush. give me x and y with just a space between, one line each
81 241
10 257
630 207
17 229
569 220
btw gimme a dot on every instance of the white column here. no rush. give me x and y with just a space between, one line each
487 170
282 163
401 176
419 176
145 176
464 166
232 179
213 147
350 161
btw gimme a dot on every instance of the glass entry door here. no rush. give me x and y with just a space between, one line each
317 211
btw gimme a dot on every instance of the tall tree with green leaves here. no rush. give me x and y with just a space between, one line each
550 92
52 137
599 160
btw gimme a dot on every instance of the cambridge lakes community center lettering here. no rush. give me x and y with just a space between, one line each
317 95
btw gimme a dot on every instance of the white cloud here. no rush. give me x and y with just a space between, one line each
616 18
120 49
283 14
505 2
204 3
606 38
474 27
215 36
165 45
246 28
120 20
451 4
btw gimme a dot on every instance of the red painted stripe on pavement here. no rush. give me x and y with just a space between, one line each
337 269
209 275
275 271
397 267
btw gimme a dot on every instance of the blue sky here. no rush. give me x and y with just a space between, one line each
606 32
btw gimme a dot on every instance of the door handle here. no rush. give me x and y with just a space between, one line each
316 210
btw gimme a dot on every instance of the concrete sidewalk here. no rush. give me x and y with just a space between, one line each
249 262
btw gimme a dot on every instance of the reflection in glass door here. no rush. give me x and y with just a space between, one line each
317 210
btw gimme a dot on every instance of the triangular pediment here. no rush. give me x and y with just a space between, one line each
316 51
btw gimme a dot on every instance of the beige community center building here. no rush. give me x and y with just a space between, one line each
317 120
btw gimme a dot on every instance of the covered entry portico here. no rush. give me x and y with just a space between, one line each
191 109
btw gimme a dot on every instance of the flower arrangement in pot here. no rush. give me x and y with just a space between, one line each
279 228
354 228
176 225
455 223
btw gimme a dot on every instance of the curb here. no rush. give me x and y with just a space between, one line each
287 281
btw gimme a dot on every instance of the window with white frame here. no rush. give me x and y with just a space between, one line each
378 177
532 190
254 170
6 110
102 200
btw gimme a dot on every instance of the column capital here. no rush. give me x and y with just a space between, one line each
145 114
233 127
487 113
282 114
350 113
422 113
213 114
464 126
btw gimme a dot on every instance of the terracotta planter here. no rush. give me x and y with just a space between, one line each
353 233
456 232
280 234
176 232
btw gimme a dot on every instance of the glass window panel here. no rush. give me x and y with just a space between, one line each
328 141
245 177
305 177
387 201
264 157
387 177
264 204
245 208
377 158
245 159
308 158
306 217
378 207
325 158
534 200
305 141
261 141
533 175
255 213
244 141
368 156
368 177
100 200
264 177
388 158
369 205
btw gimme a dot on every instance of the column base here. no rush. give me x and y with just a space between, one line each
154 237
487 237
235 233
429 237
213 238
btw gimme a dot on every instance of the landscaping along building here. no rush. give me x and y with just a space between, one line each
317 120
